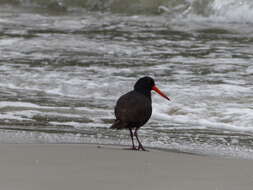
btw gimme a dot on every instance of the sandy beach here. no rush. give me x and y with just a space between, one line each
82 166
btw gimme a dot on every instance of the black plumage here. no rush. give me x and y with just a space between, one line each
134 108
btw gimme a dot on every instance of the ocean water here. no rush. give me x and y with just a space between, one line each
64 63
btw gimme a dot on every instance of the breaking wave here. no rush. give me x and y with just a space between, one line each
219 10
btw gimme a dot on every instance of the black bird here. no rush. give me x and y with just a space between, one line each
134 108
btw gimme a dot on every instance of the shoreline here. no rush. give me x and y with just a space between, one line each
204 149
90 166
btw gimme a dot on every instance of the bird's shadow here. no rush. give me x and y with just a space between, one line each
120 147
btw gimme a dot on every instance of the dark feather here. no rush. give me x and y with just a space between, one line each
132 110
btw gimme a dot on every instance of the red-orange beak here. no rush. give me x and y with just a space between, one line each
160 92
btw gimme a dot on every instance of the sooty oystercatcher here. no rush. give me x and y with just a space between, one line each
134 108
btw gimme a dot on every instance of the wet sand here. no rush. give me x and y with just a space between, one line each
80 166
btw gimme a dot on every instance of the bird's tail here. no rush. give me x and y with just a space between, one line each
118 125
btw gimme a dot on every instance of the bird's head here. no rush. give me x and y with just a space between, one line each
146 84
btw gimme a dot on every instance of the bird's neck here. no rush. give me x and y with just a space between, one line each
144 92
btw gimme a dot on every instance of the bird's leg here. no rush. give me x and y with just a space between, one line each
140 145
132 138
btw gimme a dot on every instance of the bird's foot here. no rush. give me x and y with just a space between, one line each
140 147
134 148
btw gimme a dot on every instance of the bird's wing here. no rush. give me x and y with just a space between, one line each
133 108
